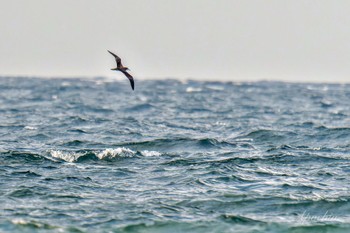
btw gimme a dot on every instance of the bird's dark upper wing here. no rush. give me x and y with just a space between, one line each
131 79
117 59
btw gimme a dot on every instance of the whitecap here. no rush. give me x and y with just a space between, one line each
112 153
109 153
19 221
193 89
28 127
66 156
147 153
65 84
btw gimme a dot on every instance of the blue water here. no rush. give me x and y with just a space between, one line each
93 156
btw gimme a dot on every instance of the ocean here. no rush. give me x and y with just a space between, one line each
91 155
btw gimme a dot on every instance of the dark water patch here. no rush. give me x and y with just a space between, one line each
77 144
61 197
25 174
140 108
181 144
74 178
79 131
271 136
305 125
236 219
303 187
22 157
73 143
337 132
227 180
25 193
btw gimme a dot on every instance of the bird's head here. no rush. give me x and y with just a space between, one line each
114 69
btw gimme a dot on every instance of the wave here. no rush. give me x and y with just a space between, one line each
107 154
193 89
27 225
71 156
238 219
140 107
269 135
22 156
182 143
68 156
31 224
147 153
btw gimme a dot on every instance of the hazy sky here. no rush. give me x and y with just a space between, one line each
295 40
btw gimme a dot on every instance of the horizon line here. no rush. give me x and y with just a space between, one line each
181 79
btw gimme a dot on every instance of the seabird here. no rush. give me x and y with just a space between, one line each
122 69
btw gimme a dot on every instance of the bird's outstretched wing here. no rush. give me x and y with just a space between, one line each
117 59
131 79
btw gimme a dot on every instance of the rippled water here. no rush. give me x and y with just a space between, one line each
93 156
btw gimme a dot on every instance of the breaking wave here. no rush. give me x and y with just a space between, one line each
107 154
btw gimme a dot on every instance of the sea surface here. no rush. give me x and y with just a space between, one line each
91 155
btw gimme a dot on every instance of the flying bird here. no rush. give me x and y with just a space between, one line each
122 69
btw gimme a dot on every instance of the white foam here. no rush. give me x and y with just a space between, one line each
193 89
109 153
65 84
19 221
28 127
112 153
147 153
66 156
